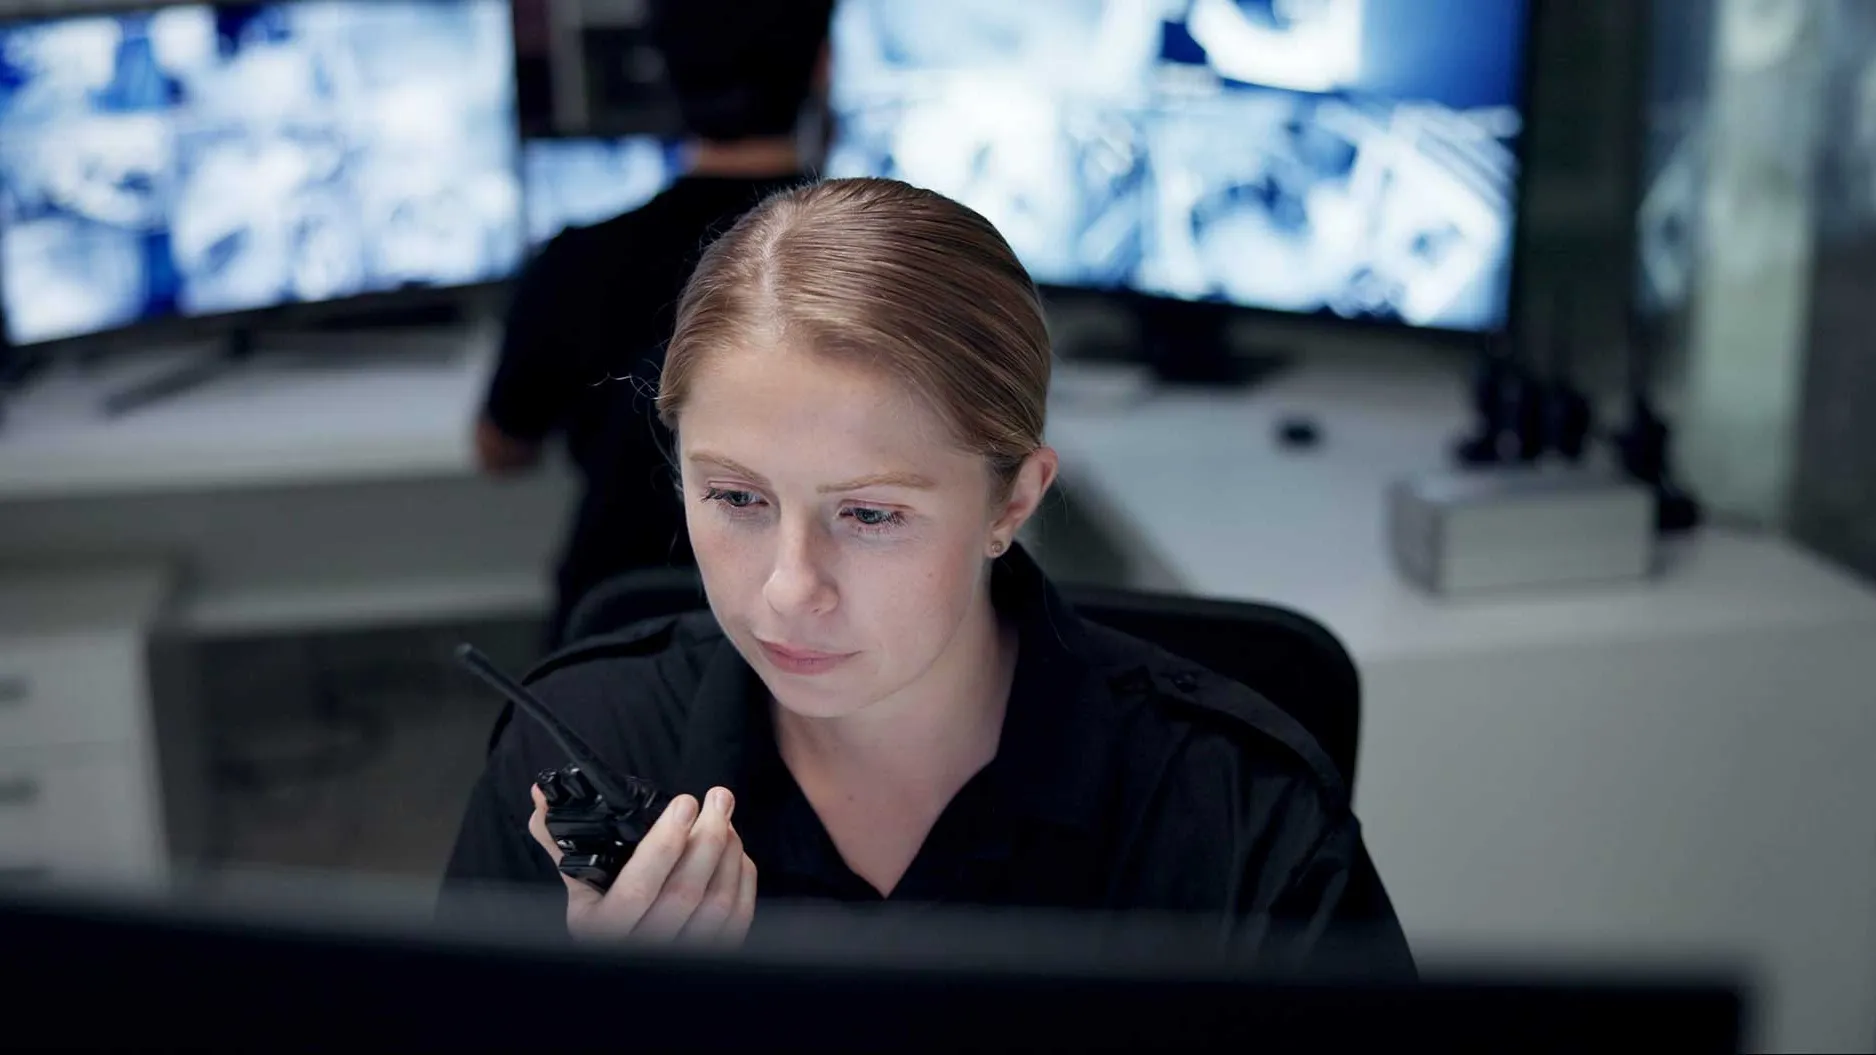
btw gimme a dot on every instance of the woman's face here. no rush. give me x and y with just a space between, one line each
840 530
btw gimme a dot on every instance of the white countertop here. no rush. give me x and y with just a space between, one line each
402 408
81 600
328 482
1194 478
1199 480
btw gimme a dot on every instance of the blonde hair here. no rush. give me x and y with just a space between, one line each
889 276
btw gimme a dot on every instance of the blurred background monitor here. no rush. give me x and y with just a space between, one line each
1348 158
571 182
199 160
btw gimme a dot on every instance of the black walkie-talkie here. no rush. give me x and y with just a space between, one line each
596 817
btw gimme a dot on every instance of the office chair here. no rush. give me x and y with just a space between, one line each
1291 659
633 597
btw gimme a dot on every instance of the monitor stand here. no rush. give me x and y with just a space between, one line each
1188 345
233 351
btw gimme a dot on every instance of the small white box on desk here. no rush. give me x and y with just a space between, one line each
1510 528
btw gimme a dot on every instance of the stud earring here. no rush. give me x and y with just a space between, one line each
996 548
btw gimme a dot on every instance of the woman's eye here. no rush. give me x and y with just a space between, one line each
875 519
733 499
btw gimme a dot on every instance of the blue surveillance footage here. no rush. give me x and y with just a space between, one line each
1354 157
196 160
576 182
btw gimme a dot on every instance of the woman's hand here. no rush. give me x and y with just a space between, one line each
689 880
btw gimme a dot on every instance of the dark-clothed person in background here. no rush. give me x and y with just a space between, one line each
590 315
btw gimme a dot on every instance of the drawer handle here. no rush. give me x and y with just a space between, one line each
18 791
14 690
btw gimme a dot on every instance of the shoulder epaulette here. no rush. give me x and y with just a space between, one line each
1243 708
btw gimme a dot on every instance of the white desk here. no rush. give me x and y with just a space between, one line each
1676 766
331 491
294 494
81 780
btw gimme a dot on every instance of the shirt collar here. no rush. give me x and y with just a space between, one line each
1055 749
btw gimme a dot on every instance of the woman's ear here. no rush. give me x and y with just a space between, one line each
1032 483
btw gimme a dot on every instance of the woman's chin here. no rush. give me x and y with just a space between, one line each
815 701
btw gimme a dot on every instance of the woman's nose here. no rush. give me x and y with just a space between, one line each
798 581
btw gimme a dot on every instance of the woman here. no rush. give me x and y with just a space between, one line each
887 700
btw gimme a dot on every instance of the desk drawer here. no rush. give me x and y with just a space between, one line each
78 690
79 812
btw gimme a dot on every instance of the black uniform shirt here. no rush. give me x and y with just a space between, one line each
1125 778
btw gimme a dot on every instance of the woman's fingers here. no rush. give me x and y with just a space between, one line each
689 878
537 824
720 898
686 883
736 928
649 868
617 912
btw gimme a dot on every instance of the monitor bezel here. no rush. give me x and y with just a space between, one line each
807 963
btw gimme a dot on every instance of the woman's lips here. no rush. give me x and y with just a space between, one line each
802 660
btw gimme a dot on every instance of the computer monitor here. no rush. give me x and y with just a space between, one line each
199 160
572 182
1347 158
929 979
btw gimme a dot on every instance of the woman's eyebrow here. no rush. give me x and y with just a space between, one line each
730 465
911 481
